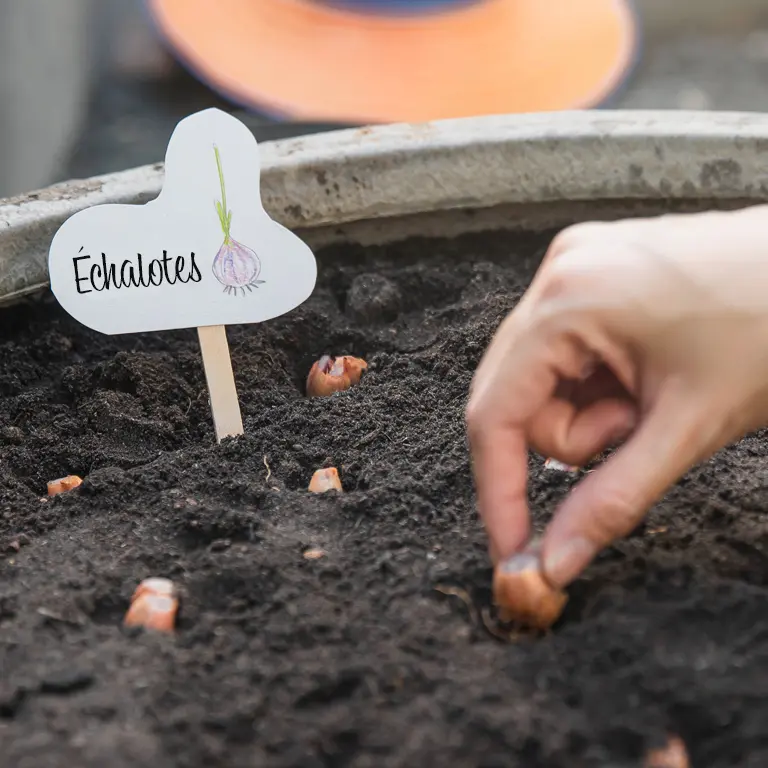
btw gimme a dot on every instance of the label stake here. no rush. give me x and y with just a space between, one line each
227 421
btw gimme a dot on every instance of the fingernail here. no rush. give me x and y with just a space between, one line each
566 560
533 546
521 562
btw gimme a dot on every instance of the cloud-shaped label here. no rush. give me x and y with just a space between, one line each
204 252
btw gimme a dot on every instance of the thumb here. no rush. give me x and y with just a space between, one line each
611 501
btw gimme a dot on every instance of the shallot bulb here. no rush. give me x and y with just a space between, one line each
325 480
154 605
522 594
236 266
334 374
63 484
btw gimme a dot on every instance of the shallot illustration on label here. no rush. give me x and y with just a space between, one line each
236 266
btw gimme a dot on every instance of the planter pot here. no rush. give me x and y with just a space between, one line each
356 628
384 183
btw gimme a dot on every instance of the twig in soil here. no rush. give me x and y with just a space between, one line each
366 439
262 352
354 527
463 595
52 616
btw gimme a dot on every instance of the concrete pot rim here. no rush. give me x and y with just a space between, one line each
324 181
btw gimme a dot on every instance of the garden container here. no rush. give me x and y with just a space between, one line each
356 627
388 182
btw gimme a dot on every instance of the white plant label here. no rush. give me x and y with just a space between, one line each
203 253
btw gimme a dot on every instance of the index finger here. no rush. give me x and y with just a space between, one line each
500 466
507 395
512 385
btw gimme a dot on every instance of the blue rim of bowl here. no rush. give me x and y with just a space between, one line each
397 7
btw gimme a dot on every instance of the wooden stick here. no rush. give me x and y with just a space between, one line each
225 407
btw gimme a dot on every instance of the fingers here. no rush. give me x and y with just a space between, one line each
575 436
574 236
507 394
500 463
601 384
611 501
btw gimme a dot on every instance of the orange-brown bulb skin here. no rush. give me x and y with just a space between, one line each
156 612
63 484
673 755
334 374
154 605
325 480
155 586
523 595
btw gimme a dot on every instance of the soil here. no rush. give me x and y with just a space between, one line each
370 655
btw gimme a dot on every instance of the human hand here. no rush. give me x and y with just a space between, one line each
653 331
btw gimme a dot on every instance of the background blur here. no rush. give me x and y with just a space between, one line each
86 88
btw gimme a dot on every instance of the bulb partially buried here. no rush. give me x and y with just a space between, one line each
334 374
154 606
236 266
325 480
63 484
522 593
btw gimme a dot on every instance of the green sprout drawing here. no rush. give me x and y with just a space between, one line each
235 266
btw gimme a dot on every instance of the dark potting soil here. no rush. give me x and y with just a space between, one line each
364 657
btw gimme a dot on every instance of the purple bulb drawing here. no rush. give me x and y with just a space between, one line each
236 266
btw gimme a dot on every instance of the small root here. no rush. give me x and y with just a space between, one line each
483 616
463 595
57 617
269 471
493 628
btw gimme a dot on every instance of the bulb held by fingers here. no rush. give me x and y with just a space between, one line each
523 595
